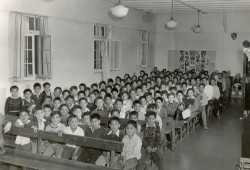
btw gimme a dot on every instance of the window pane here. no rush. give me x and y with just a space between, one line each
38 23
26 42
29 56
102 31
30 71
29 42
31 23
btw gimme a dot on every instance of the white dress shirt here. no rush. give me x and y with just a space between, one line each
132 147
78 132
209 91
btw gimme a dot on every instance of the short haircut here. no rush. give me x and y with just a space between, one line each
58 88
27 90
147 94
86 114
108 87
48 97
57 99
69 97
65 91
179 91
95 116
151 106
114 110
23 110
46 84
71 117
202 84
136 102
171 94
159 98
81 91
37 108
150 113
158 91
63 105
133 113
98 98
110 80
142 97
77 107
114 119
118 100
73 88
47 106
94 84
132 122
108 95
82 84
83 98
14 87
36 85
55 113
190 90
124 92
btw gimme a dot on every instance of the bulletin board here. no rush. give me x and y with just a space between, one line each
193 59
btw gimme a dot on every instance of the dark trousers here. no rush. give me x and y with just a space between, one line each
216 104
89 155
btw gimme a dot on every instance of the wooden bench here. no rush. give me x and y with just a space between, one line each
102 144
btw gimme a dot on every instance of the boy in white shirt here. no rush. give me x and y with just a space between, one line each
71 151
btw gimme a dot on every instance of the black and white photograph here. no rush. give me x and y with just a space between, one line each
124 85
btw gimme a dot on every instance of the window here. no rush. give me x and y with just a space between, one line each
104 45
146 50
37 51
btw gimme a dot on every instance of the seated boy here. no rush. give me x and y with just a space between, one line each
108 102
118 106
37 95
27 101
152 107
77 110
114 134
53 148
47 100
13 103
114 113
72 151
86 120
139 110
132 148
91 104
57 103
95 131
134 116
64 110
99 107
47 109
151 141
83 102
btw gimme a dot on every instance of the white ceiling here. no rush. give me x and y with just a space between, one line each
163 6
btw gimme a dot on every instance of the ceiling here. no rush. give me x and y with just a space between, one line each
181 6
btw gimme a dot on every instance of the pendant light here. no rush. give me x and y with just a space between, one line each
119 10
172 23
198 29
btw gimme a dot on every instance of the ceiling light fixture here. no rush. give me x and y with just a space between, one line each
172 23
119 10
198 29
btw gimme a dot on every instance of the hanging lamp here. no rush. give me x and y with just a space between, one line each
172 23
198 29
119 10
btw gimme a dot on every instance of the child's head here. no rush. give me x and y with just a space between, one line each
180 95
80 94
148 97
47 100
95 119
86 117
27 93
57 91
124 95
114 92
72 121
151 117
118 103
92 97
70 100
133 115
137 105
131 127
47 109
83 102
151 107
46 86
103 92
64 109
57 102
14 91
82 86
159 102
114 123
171 97
143 101
108 99
31 107
99 102
55 117
73 90
38 112
65 93
77 110
24 115
115 113
94 86
190 92
37 87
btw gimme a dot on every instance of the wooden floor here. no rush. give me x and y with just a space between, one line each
218 148
215 149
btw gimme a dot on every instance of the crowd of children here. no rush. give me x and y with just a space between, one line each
159 98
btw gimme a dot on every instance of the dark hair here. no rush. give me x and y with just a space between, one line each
77 107
57 98
83 98
202 84
179 91
65 91
133 113
132 122
82 84
151 106
190 89
69 97
55 113
71 117
46 84
114 119
150 113
27 90
23 110
36 85
147 94
108 95
118 100
95 116
73 88
81 92
114 110
86 114
171 94
159 98
98 98
94 84
136 102
13 87
58 88
48 106
114 89
37 108
63 105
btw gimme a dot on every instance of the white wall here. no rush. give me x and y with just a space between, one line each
213 37
71 25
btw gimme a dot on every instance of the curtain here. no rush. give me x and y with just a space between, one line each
16 45
44 26
105 61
